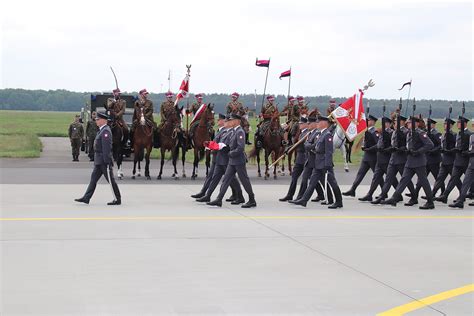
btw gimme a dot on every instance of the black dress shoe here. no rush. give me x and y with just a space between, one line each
335 205
204 199
424 197
411 202
471 204
442 199
198 195
391 201
470 196
238 201
317 199
408 195
284 199
427 206
299 202
327 202
367 198
215 203
115 202
457 204
349 193
230 199
82 200
249 204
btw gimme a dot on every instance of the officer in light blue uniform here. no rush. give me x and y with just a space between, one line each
103 163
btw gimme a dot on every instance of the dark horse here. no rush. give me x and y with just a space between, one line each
169 140
119 140
142 139
202 134
271 144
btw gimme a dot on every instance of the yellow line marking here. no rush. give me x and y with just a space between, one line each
406 308
213 218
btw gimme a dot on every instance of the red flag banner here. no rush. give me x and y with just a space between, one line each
285 74
350 116
183 90
262 63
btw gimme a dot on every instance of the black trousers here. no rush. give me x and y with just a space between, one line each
297 171
90 151
407 175
99 171
307 171
377 179
230 172
467 184
363 169
434 170
207 182
391 177
317 176
443 173
455 180
219 171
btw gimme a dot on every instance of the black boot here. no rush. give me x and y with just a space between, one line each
442 199
427 206
411 202
215 203
82 200
299 202
198 195
366 198
349 193
378 200
471 204
251 202
230 199
457 204
393 200
318 198
204 198
285 199
247 142
115 202
338 204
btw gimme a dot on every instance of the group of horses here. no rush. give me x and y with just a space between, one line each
173 138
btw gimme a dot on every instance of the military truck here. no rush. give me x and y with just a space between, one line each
98 103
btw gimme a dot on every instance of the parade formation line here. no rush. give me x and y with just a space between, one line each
225 218
424 302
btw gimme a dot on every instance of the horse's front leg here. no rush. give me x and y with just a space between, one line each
183 157
195 164
258 163
134 166
344 156
161 163
147 163
175 154
267 155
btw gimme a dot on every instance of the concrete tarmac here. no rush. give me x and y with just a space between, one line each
161 253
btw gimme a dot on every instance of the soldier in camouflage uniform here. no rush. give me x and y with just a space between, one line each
76 134
266 113
236 107
91 132
116 108
292 113
147 105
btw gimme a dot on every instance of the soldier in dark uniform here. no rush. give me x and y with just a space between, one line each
76 134
468 178
448 143
221 160
384 148
397 161
193 108
91 132
461 161
323 166
369 159
103 163
236 107
237 161
418 144
299 161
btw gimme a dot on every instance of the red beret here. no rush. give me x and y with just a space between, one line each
235 94
198 96
270 97
143 91
169 94
299 98
116 90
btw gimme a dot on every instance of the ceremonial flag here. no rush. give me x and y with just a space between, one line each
183 92
405 84
262 63
201 109
285 74
350 116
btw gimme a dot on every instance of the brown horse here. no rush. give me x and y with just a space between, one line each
119 140
271 144
169 140
294 139
142 139
202 134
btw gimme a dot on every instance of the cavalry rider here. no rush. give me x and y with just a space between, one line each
167 110
193 108
266 113
236 107
147 105
292 112
302 107
116 107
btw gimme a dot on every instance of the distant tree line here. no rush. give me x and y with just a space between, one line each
64 100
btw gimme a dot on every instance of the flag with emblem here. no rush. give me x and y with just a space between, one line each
183 92
350 116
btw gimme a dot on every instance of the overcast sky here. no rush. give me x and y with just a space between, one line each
332 47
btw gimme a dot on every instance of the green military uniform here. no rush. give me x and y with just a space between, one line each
167 108
91 133
303 110
147 106
117 109
76 134
292 112
235 107
193 109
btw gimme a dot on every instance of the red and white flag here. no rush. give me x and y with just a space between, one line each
201 110
183 92
350 116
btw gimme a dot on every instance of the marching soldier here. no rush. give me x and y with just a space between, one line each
237 161
384 148
418 144
220 162
461 161
76 134
91 132
369 159
323 166
448 143
266 113
299 161
236 107
103 163
397 161
116 108
143 104
468 177
193 108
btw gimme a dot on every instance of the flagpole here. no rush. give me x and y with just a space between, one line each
289 85
265 88
408 99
